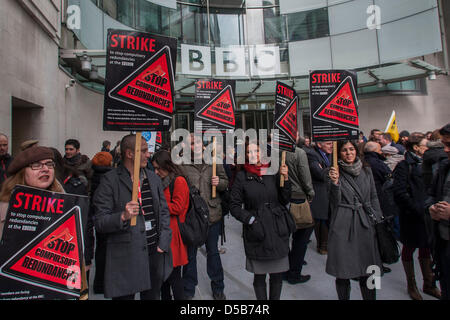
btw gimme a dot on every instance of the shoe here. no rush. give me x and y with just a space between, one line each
222 250
323 251
429 283
219 296
386 269
413 292
188 297
300 279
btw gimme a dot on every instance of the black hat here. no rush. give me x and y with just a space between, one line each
404 133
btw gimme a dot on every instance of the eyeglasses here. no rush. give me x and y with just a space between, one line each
39 165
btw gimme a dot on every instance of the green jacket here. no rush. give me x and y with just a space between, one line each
299 175
199 175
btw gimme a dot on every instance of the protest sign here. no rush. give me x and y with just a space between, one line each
285 119
215 105
139 84
41 251
334 105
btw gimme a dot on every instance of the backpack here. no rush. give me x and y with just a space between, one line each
194 230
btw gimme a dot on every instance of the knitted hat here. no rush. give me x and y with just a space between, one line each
389 150
29 156
102 159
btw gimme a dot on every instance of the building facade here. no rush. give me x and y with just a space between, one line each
398 48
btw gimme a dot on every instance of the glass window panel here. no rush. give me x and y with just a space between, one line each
226 27
393 10
148 16
409 85
125 12
339 16
274 25
238 120
171 22
394 86
414 36
290 6
194 25
308 25
262 3
355 49
308 55
110 8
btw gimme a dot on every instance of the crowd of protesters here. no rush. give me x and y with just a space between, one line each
339 204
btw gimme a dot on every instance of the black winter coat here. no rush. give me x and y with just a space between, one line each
410 195
380 170
319 169
431 159
5 161
267 238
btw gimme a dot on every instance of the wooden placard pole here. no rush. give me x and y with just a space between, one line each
335 152
84 291
214 169
137 167
283 162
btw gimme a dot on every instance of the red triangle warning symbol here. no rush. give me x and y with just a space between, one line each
52 259
341 106
288 120
150 87
220 109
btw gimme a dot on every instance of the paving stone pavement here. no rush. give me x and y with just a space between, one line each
238 281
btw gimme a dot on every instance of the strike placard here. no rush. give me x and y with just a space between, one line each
139 84
215 105
41 251
334 105
285 117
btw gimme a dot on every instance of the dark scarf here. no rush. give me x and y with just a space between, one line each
353 169
74 161
256 170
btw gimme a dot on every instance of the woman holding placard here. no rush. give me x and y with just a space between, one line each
258 201
34 167
352 244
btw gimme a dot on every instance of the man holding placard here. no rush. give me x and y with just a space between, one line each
138 259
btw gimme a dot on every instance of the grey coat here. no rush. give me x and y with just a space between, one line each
199 175
352 244
127 268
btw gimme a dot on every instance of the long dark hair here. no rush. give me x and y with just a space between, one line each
164 161
359 153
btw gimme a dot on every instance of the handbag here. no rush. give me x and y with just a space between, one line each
387 244
301 213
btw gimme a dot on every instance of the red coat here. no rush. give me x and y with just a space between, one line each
178 206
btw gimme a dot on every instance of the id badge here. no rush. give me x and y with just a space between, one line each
148 225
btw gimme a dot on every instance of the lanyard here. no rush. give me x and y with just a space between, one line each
140 198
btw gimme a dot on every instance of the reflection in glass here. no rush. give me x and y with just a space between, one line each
310 24
274 25
227 27
194 25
